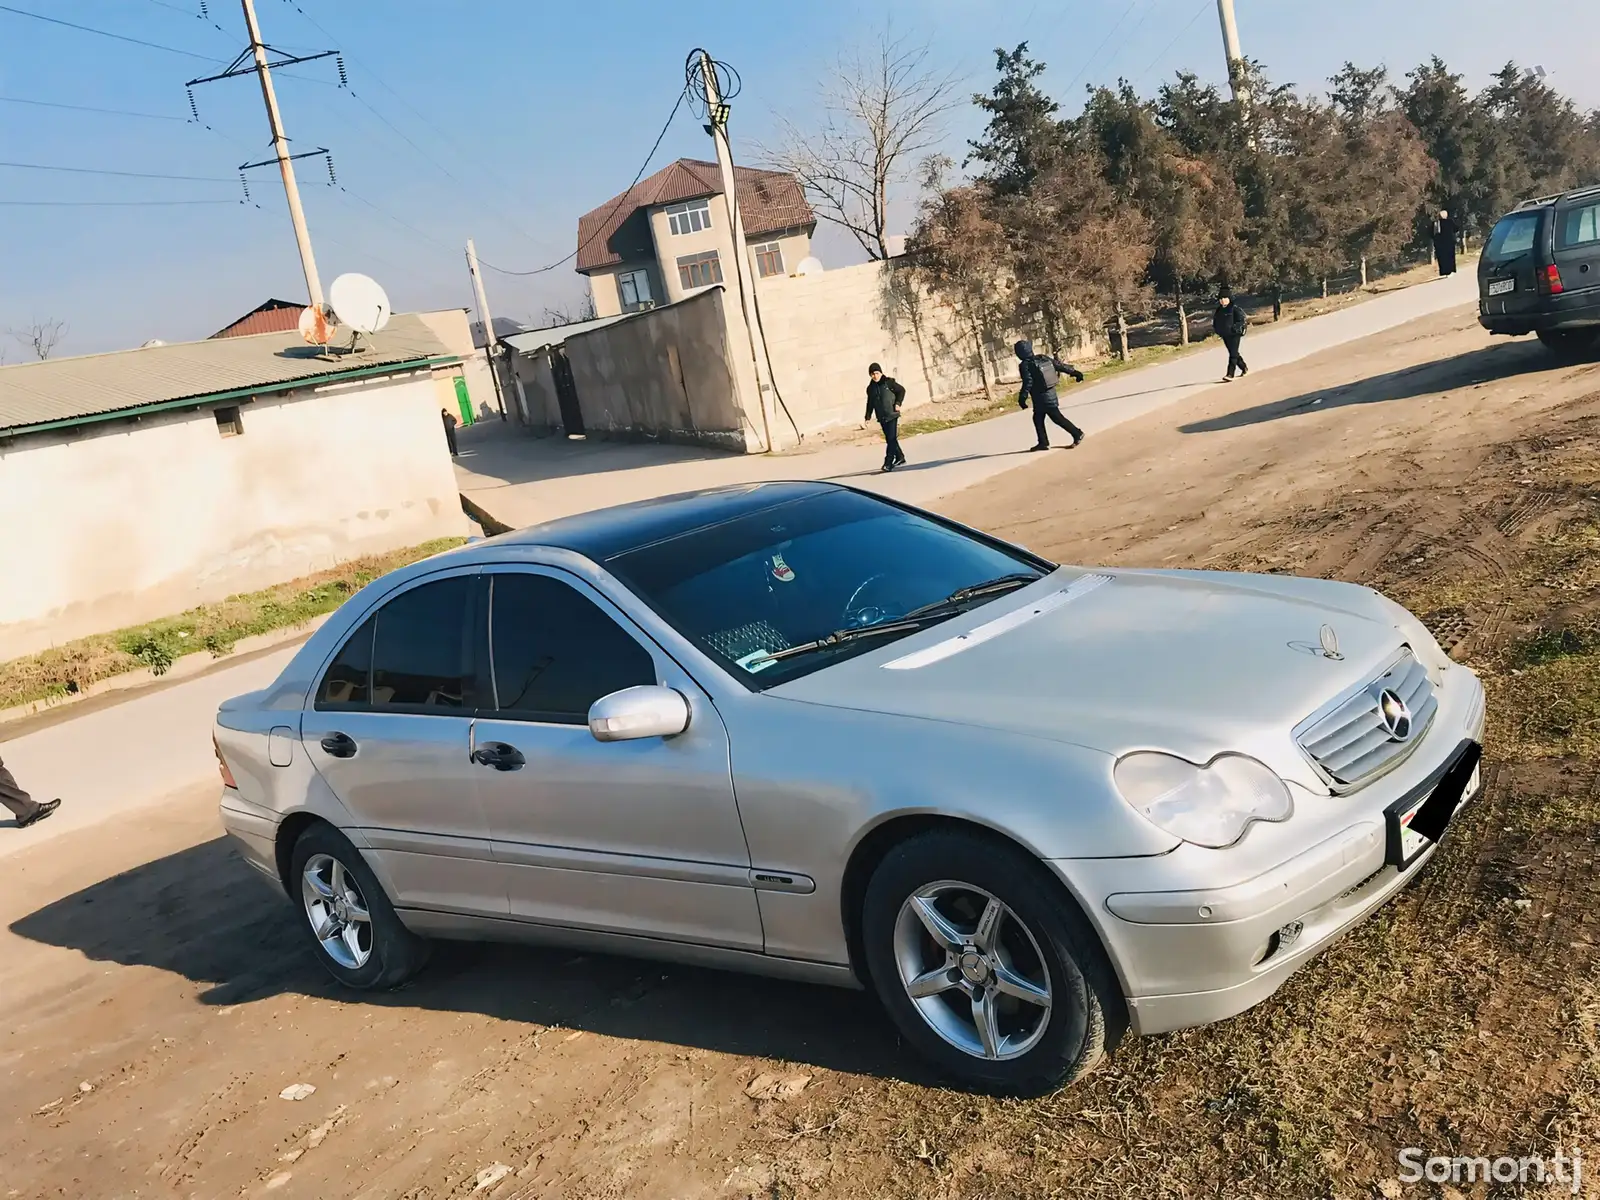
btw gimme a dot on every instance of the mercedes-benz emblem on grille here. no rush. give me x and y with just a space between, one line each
1394 714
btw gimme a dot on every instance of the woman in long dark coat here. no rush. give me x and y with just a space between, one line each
1444 243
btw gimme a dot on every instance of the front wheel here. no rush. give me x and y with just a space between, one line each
987 967
354 930
1570 341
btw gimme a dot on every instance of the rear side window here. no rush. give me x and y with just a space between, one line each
1578 227
1512 237
555 652
415 654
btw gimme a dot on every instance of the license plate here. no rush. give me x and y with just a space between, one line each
1499 287
1405 843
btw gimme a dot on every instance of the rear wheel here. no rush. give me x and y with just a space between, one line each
1570 341
355 933
987 966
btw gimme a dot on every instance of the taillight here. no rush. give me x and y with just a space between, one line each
1550 281
222 765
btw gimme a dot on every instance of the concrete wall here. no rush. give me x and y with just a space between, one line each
451 327
110 525
662 375
542 410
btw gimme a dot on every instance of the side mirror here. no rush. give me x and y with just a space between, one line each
639 712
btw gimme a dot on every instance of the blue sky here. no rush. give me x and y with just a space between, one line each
504 120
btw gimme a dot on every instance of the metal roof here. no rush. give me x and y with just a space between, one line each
538 339
72 391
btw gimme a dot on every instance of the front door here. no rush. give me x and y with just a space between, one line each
390 732
638 837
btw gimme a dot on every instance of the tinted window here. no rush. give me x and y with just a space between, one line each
349 679
421 654
799 571
1578 227
556 652
1512 236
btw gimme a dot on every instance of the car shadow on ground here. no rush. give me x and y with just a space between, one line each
204 915
1475 368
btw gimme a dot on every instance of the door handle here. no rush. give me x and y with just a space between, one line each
499 756
340 745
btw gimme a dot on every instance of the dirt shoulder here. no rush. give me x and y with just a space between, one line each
1463 477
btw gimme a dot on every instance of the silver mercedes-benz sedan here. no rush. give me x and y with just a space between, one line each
797 729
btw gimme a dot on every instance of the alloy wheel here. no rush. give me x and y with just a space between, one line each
340 919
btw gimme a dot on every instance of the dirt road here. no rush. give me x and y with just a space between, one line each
159 1001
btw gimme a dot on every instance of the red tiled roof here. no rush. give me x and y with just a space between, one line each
768 201
275 316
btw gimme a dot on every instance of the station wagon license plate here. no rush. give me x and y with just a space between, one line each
1405 843
1499 287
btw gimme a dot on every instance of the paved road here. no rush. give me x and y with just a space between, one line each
136 753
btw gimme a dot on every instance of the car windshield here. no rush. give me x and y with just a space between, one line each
1512 237
799 572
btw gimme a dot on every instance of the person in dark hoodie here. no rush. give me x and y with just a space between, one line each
1229 323
884 397
1040 374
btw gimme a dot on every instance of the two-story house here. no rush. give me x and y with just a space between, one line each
670 235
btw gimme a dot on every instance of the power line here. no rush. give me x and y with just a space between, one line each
21 166
102 33
1127 41
1103 42
114 112
108 203
1154 62
660 137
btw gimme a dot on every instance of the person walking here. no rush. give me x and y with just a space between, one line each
27 810
1229 322
1040 375
884 397
1444 243
450 424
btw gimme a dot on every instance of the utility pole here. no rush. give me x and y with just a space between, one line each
1230 47
280 147
489 338
717 122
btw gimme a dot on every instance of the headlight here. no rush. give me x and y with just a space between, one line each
1210 805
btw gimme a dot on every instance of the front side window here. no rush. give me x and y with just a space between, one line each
555 652
689 218
796 572
633 289
699 270
414 655
769 259
1512 237
1578 227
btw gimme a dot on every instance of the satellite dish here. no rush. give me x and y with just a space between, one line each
317 324
809 266
151 342
359 303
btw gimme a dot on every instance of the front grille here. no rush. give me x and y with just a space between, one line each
1351 743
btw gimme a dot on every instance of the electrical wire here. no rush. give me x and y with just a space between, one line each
1103 43
102 33
615 204
114 112
1204 4
21 166
1127 41
109 203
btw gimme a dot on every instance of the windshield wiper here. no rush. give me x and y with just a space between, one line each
989 587
840 636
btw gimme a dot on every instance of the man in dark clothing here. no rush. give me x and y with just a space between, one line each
1444 243
1229 322
884 397
1040 374
26 809
450 431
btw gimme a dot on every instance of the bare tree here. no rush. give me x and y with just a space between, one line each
882 108
571 313
41 337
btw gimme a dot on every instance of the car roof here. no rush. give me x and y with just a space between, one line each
1588 192
605 533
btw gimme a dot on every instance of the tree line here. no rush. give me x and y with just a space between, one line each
1144 203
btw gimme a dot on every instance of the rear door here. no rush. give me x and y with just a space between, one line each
1577 249
1508 269
390 731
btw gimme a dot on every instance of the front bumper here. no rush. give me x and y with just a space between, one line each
1200 935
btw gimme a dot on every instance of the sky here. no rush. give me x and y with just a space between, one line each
504 120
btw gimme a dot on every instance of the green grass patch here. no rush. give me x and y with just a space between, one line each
211 628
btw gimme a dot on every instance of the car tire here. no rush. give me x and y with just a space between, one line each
1040 935
333 888
1570 341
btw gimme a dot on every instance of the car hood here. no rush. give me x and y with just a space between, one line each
1193 663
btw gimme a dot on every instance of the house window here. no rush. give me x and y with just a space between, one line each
633 288
229 423
769 259
699 270
689 218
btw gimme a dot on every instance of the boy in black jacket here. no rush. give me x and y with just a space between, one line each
884 397
1040 374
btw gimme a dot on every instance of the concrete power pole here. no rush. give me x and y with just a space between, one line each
489 338
280 147
1230 47
717 118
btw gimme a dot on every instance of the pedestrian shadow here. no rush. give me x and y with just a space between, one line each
911 467
1470 370
206 916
